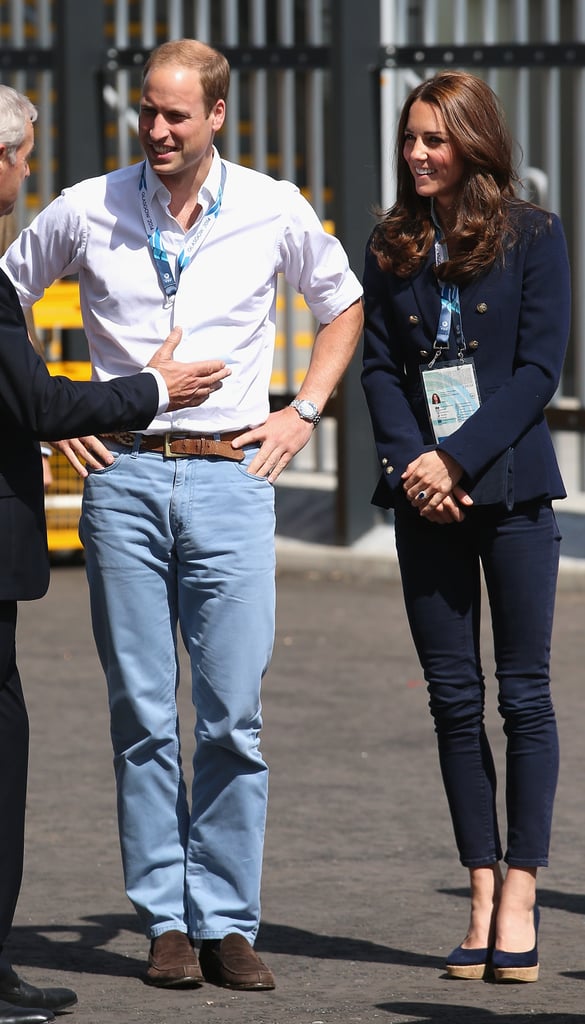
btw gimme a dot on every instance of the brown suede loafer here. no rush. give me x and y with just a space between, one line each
172 962
232 963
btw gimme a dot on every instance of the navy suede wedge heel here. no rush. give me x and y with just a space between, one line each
469 964
518 966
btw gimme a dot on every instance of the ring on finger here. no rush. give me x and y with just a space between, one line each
421 496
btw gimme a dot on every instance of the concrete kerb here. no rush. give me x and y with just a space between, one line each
374 557
306 524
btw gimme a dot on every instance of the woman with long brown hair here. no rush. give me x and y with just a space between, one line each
467 297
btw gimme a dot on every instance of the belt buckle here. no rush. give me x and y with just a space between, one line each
168 440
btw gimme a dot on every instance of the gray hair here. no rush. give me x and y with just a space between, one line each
15 111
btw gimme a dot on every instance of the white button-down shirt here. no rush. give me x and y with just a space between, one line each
226 296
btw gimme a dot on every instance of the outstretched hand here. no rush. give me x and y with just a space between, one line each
188 384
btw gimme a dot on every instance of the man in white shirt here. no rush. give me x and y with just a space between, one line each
35 404
178 522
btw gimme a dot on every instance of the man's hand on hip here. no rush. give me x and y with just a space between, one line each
280 438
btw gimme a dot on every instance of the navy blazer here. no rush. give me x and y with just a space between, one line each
516 324
33 404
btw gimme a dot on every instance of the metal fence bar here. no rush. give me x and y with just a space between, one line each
356 28
325 441
230 137
148 24
578 256
203 21
175 19
287 146
521 103
259 106
490 33
122 78
460 21
315 109
45 150
551 99
26 64
17 16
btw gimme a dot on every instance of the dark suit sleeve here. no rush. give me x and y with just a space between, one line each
47 407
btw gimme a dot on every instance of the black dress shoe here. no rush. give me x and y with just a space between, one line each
23 1015
19 993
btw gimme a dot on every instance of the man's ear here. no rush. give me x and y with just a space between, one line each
2 153
218 115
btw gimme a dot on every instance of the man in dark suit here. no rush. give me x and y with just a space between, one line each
35 405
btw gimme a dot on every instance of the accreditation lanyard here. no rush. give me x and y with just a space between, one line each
451 389
450 307
159 254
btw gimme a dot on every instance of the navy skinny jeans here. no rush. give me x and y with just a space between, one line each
440 568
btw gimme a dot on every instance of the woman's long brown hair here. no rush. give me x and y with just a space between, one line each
481 229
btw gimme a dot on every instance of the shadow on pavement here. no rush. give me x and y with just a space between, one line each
423 1012
52 946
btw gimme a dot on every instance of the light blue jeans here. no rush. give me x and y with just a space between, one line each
185 541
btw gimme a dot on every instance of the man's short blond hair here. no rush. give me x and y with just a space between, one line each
213 68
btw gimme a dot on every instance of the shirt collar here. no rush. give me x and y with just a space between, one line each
207 193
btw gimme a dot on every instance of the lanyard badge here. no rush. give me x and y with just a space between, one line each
451 394
451 390
158 251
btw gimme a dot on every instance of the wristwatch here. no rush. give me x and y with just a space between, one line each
307 410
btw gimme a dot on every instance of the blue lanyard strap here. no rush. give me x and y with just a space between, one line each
161 262
450 310
159 254
450 306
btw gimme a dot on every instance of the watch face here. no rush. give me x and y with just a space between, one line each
307 409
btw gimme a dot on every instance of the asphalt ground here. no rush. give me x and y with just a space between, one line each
363 894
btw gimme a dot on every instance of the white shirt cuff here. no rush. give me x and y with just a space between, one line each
163 393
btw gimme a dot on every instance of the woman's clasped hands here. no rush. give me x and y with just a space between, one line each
431 484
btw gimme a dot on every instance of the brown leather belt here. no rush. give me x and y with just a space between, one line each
179 446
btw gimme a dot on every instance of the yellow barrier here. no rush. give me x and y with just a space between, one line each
63 500
59 308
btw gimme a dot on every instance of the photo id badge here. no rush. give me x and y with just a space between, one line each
452 395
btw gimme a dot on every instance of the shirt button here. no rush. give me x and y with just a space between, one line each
389 469
473 345
414 319
481 307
